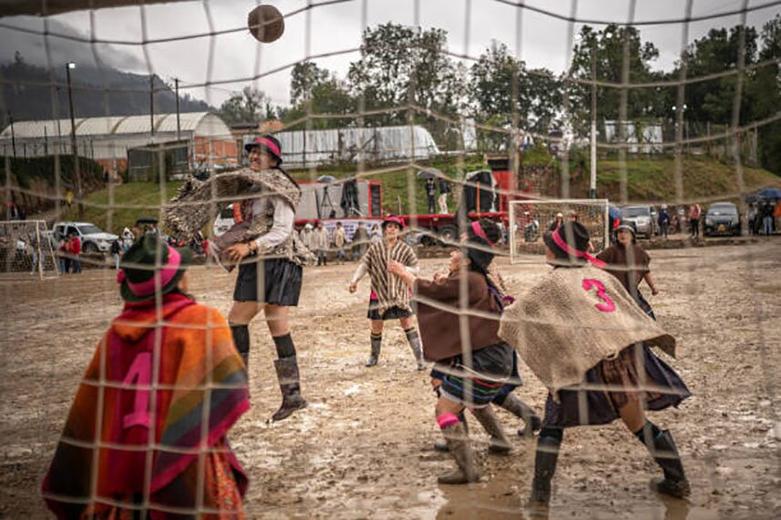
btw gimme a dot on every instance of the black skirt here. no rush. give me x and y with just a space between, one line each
281 284
594 407
393 313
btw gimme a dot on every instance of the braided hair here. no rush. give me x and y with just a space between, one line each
480 257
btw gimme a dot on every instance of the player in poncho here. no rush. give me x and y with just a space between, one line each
471 370
269 251
629 263
129 450
587 340
389 298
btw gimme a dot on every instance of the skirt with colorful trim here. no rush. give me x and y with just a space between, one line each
491 367
635 375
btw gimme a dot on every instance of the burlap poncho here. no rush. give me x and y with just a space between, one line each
192 207
575 318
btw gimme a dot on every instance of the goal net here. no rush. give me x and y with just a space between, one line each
530 219
441 112
25 247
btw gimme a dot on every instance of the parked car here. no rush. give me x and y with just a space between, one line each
722 218
93 239
641 218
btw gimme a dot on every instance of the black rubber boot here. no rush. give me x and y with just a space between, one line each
665 453
441 444
515 406
374 357
458 446
289 384
499 442
544 468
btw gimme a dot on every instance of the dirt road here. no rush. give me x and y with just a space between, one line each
363 447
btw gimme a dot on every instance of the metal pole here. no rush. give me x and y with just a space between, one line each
592 192
13 137
178 125
152 104
74 149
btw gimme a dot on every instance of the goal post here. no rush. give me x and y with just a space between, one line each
26 248
530 219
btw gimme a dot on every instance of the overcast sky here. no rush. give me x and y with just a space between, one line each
543 40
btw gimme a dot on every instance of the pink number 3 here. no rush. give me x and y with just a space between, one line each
140 373
607 304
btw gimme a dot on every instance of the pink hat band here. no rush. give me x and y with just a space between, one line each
478 230
556 235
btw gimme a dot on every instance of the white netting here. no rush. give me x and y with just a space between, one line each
443 126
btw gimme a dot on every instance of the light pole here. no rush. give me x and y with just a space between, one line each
74 148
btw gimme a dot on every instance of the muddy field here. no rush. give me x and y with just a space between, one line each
363 448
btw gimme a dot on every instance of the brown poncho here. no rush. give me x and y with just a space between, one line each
572 320
628 264
389 290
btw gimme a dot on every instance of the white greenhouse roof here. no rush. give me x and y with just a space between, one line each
118 125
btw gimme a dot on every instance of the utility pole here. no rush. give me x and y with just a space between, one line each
178 125
592 192
13 137
74 147
152 104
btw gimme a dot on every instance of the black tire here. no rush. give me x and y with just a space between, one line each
90 248
448 234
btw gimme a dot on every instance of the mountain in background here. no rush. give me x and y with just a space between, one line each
28 94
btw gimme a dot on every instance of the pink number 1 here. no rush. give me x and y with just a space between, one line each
140 373
607 304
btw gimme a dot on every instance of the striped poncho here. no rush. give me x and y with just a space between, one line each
389 290
201 392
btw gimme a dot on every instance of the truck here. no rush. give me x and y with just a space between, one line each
487 193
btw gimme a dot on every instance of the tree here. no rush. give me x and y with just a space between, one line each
500 87
764 91
248 106
304 77
606 49
712 101
401 65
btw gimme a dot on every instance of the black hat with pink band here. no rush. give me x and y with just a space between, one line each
267 143
569 243
149 266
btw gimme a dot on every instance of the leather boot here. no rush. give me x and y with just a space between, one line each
488 420
520 409
665 453
458 445
289 385
375 354
544 468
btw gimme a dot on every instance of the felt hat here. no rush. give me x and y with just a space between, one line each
267 143
149 264
569 243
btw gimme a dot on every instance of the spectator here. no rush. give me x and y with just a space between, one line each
776 215
376 234
694 219
360 242
116 252
74 248
444 189
339 241
664 220
767 218
321 243
751 218
431 193
62 255
307 237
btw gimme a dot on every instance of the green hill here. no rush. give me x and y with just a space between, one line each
650 179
